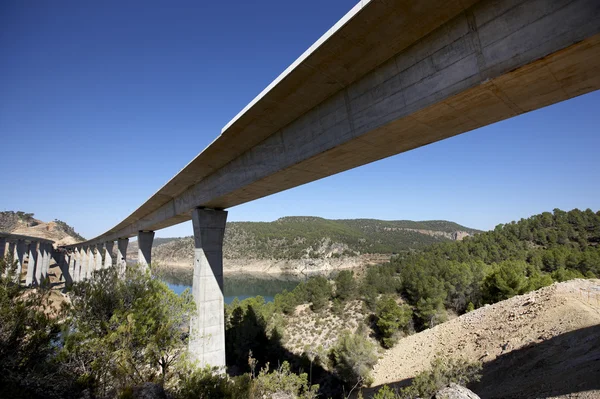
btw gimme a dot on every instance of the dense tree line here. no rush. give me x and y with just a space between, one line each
417 290
512 259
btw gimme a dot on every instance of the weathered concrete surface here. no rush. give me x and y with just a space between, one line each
89 257
39 264
2 247
78 264
122 244
108 251
20 249
145 239
72 255
207 327
32 277
98 256
390 77
42 257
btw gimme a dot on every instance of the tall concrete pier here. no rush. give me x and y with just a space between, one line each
108 251
122 244
145 239
207 327
31 263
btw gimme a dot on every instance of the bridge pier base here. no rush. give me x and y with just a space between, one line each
207 327
122 244
145 239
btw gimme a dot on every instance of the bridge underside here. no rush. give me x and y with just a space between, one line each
492 61
469 65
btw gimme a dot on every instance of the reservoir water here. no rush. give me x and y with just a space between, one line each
240 286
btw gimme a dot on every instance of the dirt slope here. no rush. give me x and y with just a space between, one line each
50 231
542 344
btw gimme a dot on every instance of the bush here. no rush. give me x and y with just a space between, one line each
506 280
442 373
318 292
28 342
353 356
385 392
283 383
391 318
209 384
345 285
123 331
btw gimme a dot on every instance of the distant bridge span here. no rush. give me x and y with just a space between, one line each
390 76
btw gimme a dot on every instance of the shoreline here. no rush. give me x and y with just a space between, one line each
284 268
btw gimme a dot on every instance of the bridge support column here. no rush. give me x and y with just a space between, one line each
122 255
39 264
31 269
89 258
98 257
71 265
66 270
44 259
78 264
108 250
10 255
20 249
2 247
145 239
207 327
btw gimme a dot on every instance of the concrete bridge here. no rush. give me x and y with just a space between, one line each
390 76
32 254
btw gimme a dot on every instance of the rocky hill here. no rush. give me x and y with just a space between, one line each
309 244
542 344
24 223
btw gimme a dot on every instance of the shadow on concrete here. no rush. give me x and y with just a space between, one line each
562 365
247 332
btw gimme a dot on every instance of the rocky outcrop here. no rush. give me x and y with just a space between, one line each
454 391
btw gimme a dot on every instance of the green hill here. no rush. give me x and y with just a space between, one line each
312 237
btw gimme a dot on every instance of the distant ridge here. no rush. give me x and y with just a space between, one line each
309 237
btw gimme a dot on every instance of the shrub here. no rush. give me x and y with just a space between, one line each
28 338
353 356
385 392
391 318
123 331
209 384
506 280
345 285
318 291
283 383
441 373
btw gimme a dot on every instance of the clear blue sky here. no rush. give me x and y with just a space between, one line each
101 103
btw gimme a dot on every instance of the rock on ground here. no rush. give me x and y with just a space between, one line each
454 391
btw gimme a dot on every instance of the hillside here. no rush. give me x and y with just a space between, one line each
25 224
541 344
298 244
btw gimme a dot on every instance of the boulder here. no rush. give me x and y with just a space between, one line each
454 391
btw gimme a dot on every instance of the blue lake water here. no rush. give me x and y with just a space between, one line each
240 286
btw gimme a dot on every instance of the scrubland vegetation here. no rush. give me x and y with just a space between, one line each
115 334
